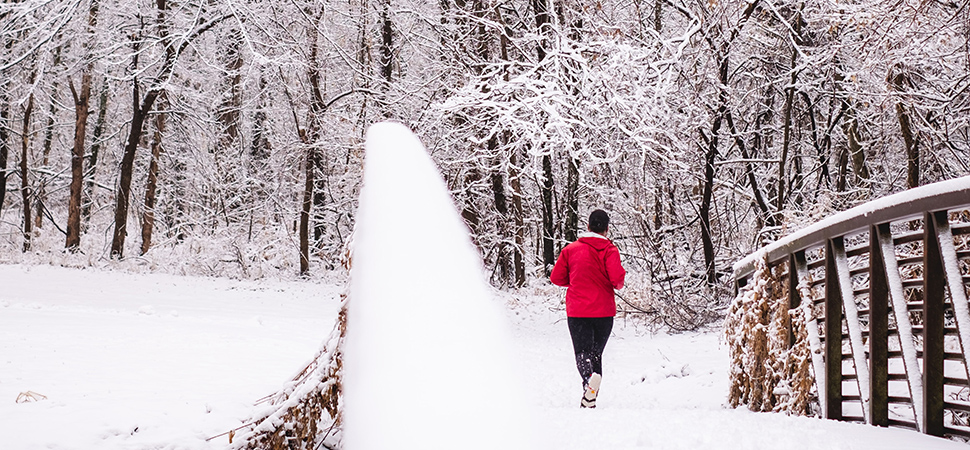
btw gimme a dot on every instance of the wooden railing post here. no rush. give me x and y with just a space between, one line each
934 285
833 336
799 265
878 330
954 281
794 298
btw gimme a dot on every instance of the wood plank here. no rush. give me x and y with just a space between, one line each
811 325
954 282
878 331
856 342
914 283
963 228
952 381
794 297
906 238
857 251
896 400
904 327
833 336
909 261
949 356
934 286
957 406
956 432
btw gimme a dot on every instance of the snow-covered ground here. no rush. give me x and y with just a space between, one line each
162 362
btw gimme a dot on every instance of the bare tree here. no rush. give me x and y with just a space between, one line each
81 112
25 191
173 48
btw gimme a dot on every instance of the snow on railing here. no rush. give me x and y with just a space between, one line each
899 293
428 356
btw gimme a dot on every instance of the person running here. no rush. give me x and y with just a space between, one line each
590 269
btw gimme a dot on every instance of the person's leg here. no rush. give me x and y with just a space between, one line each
582 336
601 327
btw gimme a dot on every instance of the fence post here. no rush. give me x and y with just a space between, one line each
800 266
833 336
878 330
794 298
933 331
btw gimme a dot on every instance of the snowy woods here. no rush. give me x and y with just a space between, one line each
226 138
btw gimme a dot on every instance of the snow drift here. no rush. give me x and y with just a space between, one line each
428 360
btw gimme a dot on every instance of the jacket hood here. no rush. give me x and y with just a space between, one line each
597 241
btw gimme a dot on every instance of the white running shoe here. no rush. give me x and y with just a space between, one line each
592 390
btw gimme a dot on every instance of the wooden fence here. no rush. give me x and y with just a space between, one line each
886 286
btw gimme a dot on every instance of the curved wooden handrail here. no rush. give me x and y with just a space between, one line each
860 300
905 205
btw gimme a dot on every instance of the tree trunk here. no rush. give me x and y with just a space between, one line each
46 152
387 42
311 162
766 213
127 167
505 250
899 80
4 142
856 152
260 148
786 139
148 222
572 199
515 181
24 171
81 101
229 109
710 156
92 169
548 220
704 213
310 140
841 183
543 26
139 113
386 57
822 154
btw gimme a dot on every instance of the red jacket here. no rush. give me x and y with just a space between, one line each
590 268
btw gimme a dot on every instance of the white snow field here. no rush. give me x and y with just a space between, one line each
435 359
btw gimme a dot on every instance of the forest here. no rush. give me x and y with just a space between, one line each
225 138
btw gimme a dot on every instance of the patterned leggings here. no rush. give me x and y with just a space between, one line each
589 336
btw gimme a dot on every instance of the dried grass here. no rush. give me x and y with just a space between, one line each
768 372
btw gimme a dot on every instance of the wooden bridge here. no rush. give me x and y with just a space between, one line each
884 286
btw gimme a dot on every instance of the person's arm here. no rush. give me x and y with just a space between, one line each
560 272
614 268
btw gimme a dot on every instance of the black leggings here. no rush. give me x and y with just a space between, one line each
589 339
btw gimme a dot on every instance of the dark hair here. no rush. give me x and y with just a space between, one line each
598 221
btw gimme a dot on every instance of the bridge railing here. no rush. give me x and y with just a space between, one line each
885 287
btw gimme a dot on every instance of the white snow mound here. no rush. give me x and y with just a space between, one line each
428 359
